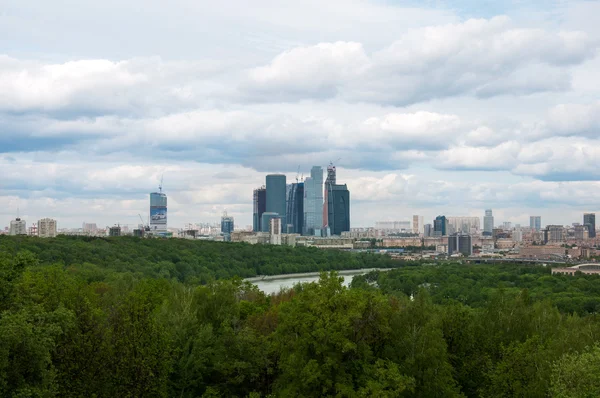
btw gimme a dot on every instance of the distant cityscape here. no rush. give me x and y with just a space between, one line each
315 211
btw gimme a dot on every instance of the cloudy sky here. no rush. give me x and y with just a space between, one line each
432 107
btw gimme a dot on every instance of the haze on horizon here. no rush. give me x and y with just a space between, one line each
432 107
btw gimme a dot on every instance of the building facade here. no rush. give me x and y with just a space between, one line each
227 226
417 224
158 212
554 234
259 207
535 223
589 220
460 243
266 220
46 228
338 209
18 227
488 223
276 188
313 202
275 231
467 225
330 182
295 208
440 226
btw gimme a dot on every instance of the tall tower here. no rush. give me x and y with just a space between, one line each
295 207
338 209
535 223
276 194
260 206
158 211
313 202
589 220
329 183
226 226
488 223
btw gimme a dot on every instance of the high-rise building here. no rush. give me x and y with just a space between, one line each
227 226
535 223
460 243
465 225
488 223
295 208
313 202
417 224
18 227
393 226
440 226
275 231
114 231
338 209
554 234
265 222
158 211
276 195
507 225
259 207
46 228
329 183
427 232
589 220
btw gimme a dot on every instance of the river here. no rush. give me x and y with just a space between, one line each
273 283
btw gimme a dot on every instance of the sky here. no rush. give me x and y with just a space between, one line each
426 107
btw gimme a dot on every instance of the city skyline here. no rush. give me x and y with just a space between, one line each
430 108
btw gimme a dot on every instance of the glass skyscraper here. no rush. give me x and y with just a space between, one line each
535 223
259 207
295 208
589 220
226 226
440 226
338 208
488 223
158 212
313 201
276 195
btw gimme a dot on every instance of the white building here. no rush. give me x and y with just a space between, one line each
46 228
393 226
418 226
467 225
275 230
18 227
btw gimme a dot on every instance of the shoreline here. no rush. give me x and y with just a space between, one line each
310 274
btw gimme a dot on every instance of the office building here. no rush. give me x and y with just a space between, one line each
158 211
427 231
467 225
460 243
259 207
440 226
46 228
581 232
535 223
554 234
265 222
338 209
329 183
417 224
589 220
517 235
227 225
488 223
18 227
295 208
313 202
276 195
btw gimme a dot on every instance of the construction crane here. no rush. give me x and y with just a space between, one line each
161 183
297 174
145 226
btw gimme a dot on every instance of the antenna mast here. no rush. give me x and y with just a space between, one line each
161 184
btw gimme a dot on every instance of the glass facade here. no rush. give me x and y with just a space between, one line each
276 200
295 208
158 211
535 223
338 209
260 206
313 202
589 220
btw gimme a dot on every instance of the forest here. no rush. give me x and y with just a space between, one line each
113 324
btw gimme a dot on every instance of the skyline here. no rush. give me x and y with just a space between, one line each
432 109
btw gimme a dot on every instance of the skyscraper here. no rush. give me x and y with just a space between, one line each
488 223
313 201
227 225
417 224
265 223
276 195
295 207
338 209
535 223
18 227
589 220
158 210
260 206
440 226
329 183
